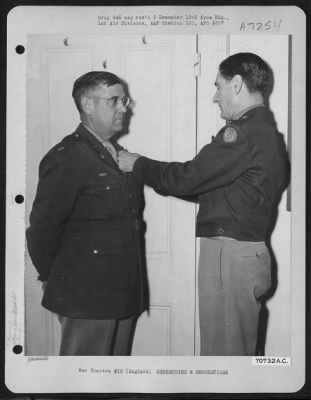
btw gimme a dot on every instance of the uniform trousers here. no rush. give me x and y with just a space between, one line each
86 337
232 277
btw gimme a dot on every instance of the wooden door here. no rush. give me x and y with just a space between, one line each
159 71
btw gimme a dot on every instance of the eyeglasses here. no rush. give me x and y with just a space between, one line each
115 100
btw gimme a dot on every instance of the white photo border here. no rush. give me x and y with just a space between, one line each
25 374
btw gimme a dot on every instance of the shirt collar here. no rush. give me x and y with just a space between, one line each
100 139
245 110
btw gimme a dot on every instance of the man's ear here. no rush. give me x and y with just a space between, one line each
86 104
237 83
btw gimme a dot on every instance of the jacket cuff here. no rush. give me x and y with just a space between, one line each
139 167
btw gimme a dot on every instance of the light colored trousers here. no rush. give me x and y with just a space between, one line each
85 337
233 275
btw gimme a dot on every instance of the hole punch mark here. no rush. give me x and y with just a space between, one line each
19 199
17 349
20 49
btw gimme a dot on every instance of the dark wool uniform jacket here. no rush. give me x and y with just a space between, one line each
86 232
237 178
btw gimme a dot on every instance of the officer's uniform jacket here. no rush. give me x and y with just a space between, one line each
86 232
237 177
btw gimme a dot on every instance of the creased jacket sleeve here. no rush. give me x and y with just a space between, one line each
53 204
217 164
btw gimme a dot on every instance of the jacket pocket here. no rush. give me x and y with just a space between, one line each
99 201
255 259
252 249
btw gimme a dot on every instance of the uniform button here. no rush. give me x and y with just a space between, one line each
133 211
220 231
76 135
102 156
95 251
108 187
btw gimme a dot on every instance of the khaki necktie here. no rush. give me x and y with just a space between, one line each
109 147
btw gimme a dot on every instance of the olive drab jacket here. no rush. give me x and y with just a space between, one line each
86 233
237 178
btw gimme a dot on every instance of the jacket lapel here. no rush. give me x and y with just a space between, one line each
99 149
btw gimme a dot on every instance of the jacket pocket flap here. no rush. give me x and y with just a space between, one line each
101 190
255 250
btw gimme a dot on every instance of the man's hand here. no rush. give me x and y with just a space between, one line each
126 160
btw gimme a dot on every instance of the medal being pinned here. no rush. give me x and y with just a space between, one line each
230 135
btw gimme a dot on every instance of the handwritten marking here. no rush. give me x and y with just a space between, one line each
14 329
37 358
270 25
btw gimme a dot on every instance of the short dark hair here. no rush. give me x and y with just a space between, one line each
253 70
91 80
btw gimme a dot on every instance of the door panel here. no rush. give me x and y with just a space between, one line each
59 68
213 49
163 128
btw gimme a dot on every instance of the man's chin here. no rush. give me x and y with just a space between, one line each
225 116
118 126
117 130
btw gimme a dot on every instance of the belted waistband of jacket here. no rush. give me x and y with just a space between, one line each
234 231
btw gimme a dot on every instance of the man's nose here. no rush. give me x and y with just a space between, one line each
121 107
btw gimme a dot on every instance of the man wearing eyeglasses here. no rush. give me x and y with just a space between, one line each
86 230
238 179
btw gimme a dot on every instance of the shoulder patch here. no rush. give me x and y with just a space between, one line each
230 135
